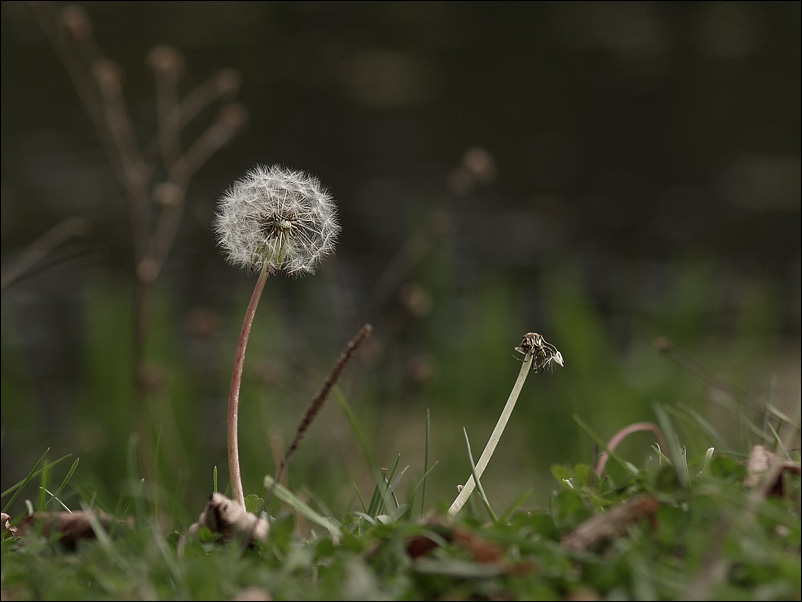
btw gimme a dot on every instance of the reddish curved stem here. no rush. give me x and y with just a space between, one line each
235 474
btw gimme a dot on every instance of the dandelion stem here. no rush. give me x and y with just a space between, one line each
235 474
470 485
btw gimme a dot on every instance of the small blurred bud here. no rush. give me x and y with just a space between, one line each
166 60
480 164
478 168
152 378
203 323
415 299
233 116
440 224
459 181
138 174
663 345
77 23
167 194
108 75
252 593
227 81
268 372
147 270
420 370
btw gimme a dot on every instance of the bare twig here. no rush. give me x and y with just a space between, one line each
408 256
42 247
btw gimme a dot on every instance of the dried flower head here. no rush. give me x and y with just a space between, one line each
277 219
544 354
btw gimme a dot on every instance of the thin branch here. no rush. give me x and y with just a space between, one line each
42 247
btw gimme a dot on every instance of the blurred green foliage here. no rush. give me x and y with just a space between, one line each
472 365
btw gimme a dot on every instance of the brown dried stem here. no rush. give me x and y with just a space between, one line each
317 403
42 247
623 434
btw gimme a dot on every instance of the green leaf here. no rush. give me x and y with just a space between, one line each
254 504
560 473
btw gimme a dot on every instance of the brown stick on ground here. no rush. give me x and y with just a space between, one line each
612 523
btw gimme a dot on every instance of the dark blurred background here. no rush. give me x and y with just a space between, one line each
603 173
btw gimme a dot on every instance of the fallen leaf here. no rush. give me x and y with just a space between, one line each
222 515
71 526
760 461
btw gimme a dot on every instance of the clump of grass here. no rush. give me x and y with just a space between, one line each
637 533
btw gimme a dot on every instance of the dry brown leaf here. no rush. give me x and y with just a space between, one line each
420 545
252 594
72 526
222 515
483 550
760 461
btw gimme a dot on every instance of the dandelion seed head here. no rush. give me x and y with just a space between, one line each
277 219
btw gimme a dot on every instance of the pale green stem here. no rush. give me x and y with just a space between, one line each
235 474
468 488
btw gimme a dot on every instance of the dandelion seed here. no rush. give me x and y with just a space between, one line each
278 220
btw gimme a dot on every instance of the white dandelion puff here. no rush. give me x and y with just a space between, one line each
272 220
278 220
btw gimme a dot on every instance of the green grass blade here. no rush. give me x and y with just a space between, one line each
135 496
675 452
57 500
381 494
515 505
156 474
43 477
391 488
35 471
134 476
425 465
476 480
67 478
356 426
289 498
422 480
361 501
